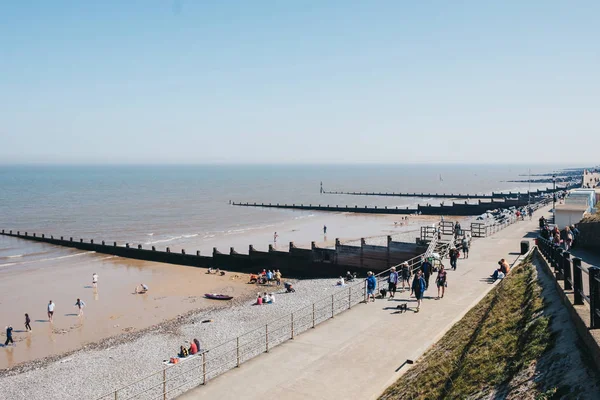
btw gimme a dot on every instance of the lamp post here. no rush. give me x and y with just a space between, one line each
554 198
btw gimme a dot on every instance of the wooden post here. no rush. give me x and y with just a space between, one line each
292 326
313 316
164 384
238 351
566 268
594 272
267 336
204 367
115 395
577 281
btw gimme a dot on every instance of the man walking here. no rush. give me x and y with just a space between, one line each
426 269
392 282
50 311
371 284
453 257
465 247
418 288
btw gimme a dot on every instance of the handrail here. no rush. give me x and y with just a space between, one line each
233 352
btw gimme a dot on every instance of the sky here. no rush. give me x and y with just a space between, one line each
299 81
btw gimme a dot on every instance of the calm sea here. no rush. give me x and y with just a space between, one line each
167 204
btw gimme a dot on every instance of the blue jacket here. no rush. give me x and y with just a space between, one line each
418 284
371 282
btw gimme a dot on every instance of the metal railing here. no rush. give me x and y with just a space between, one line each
198 369
570 271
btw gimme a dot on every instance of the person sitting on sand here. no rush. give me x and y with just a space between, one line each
210 270
341 282
193 348
143 288
259 300
289 288
183 352
253 278
268 299
197 343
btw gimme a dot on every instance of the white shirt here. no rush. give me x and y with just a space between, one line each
272 298
95 278
51 307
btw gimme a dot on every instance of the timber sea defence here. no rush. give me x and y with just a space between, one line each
315 262
457 209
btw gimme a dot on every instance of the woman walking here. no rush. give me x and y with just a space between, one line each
418 288
441 281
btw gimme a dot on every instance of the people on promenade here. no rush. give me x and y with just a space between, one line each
27 323
418 288
465 247
575 233
426 269
392 282
9 338
80 304
371 284
95 280
453 254
457 229
50 310
405 271
441 281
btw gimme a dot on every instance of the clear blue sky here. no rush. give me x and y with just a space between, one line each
299 81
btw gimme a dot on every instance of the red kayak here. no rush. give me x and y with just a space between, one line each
217 296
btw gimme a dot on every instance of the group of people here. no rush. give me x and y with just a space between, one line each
193 349
266 277
419 285
567 237
265 298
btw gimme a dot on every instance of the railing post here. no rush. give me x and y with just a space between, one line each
331 306
577 281
164 384
365 291
267 336
594 272
566 268
349 297
313 316
204 368
292 326
238 351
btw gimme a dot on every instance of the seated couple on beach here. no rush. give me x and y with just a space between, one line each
502 270
266 298
194 348
215 271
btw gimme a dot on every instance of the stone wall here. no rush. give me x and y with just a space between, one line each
590 234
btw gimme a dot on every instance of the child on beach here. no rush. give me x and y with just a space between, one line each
9 338
80 304
27 323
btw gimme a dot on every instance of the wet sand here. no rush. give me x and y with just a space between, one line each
111 309
47 272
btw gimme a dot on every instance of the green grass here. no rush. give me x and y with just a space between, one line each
499 337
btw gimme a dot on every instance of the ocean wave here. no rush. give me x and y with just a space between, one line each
172 238
47 259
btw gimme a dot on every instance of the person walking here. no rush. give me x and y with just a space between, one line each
418 288
324 230
405 275
392 282
50 310
371 284
465 247
95 280
426 268
453 257
275 237
9 338
441 281
278 277
80 304
27 323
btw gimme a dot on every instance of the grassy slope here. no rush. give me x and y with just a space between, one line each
498 338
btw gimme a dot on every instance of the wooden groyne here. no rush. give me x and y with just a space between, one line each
490 196
458 209
315 262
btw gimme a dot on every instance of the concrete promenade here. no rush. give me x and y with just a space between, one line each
358 353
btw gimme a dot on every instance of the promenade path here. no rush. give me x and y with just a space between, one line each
358 353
